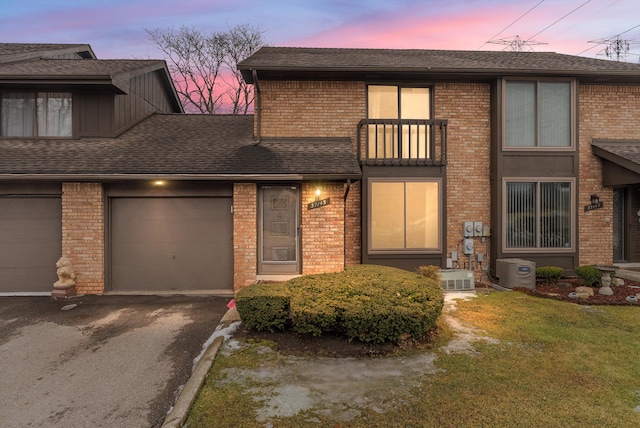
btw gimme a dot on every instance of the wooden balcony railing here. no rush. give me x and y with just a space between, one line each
402 142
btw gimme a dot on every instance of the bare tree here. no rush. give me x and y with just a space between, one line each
204 66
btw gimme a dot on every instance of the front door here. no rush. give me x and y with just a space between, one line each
279 230
626 224
619 225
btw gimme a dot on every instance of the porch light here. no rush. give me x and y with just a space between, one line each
594 199
318 193
159 183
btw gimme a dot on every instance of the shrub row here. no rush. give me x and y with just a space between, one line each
588 275
369 303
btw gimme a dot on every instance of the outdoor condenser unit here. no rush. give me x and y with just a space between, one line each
457 280
516 273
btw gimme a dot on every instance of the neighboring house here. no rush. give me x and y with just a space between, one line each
353 156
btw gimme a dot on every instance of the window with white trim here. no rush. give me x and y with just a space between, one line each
539 214
404 215
43 114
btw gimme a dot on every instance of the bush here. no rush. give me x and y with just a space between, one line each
589 275
264 306
549 274
370 303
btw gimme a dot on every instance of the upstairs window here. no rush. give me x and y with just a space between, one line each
397 127
29 114
538 114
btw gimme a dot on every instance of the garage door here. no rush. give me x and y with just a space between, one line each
171 244
30 243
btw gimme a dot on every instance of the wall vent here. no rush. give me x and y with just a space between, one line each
457 280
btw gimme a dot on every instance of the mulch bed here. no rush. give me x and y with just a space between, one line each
562 290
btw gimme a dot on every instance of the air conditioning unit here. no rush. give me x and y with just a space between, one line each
516 273
457 280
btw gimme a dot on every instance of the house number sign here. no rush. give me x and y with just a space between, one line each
317 204
595 203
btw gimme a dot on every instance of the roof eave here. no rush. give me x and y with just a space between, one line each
179 177
104 81
588 75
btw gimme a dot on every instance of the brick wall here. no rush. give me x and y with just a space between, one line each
245 238
353 254
323 229
312 109
467 108
83 234
601 117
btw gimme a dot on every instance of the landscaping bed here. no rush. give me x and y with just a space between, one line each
563 289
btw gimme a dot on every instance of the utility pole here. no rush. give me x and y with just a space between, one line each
616 48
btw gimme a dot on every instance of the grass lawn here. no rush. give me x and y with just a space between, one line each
549 364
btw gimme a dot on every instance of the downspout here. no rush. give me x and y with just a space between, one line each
257 108
344 233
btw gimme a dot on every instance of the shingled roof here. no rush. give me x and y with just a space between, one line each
625 153
10 52
433 62
181 146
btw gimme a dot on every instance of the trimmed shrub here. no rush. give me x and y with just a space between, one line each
549 274
264 306
589 275
369 303
431 272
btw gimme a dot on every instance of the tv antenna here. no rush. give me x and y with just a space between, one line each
516 44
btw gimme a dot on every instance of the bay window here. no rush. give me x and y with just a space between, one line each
43 114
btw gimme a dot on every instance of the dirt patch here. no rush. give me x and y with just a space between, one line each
328 345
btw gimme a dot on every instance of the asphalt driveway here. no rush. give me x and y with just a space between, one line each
108 361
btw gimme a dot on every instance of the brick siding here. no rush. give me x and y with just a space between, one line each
245 238
467 108
323 229
601 117
83 234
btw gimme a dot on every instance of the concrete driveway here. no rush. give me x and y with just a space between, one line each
108 361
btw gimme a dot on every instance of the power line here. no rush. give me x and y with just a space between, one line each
551 25
508 26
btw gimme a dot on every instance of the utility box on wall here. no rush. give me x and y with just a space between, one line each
516 273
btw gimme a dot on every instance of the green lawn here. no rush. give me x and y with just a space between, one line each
551 364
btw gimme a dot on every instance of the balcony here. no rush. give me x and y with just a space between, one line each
402 142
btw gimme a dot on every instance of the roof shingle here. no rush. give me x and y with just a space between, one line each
192 145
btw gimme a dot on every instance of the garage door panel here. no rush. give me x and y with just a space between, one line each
171 244
34 231
30 244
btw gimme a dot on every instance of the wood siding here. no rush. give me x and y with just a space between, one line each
146 95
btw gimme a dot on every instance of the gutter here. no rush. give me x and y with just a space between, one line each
257 107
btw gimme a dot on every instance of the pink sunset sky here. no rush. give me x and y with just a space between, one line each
116 29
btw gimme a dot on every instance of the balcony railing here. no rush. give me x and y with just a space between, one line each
402 142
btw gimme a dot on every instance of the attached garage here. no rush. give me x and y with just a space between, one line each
178 242
30 238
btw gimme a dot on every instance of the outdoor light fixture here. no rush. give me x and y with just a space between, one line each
159 183
594 199
318 192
